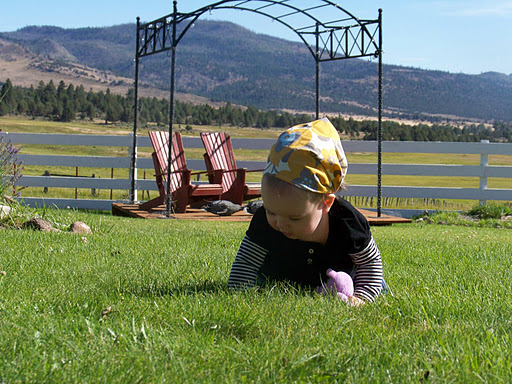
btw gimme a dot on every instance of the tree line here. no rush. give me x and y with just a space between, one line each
67 103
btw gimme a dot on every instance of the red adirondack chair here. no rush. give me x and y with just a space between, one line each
220 159
183 192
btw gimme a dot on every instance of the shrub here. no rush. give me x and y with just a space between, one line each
490 211
10 166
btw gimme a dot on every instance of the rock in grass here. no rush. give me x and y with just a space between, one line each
253 206
39 225
222 207
80 227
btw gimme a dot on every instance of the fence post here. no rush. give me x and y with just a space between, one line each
111 176
76 189
484 162
46 173
133 170
93 190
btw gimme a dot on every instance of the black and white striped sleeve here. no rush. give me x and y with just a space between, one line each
368 272
244 272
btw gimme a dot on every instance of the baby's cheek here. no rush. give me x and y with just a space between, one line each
272 222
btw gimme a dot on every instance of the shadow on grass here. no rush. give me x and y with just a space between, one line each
210 287
155 290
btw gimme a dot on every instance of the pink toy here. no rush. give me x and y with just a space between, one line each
339 283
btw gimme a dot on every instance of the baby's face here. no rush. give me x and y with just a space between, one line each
291 212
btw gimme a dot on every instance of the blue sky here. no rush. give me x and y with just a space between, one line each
467 36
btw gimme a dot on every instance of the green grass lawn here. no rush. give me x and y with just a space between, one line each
172 319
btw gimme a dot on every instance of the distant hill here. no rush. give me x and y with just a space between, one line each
222 61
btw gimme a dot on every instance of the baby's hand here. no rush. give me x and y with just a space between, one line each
355 301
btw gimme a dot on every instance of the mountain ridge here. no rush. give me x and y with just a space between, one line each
223 61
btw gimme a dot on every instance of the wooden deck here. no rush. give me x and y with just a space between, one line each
133 210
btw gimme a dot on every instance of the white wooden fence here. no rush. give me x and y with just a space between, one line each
482 171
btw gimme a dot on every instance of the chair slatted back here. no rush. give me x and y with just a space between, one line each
160 141
220 154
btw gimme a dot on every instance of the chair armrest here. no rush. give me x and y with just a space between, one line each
245 169
199 172
165 173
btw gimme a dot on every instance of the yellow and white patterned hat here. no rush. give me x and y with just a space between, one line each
309 156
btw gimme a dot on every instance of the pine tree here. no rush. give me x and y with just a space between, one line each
7 99
68 112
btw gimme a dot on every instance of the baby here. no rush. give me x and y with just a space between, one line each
304 228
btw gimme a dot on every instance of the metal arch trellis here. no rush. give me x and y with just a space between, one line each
345 37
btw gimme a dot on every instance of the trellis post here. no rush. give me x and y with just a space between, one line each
133 153
168 198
